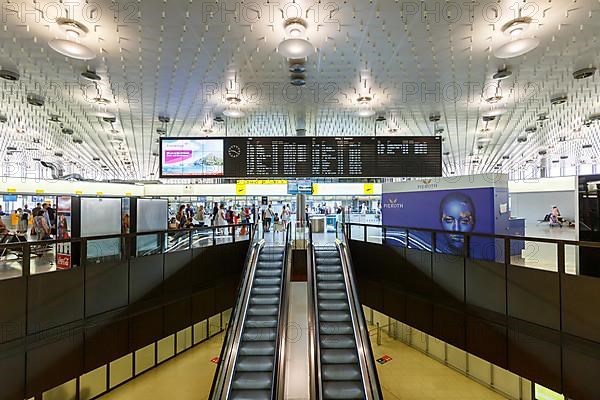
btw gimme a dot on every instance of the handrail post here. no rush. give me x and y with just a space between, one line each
365 233
378 334
233 232
214 237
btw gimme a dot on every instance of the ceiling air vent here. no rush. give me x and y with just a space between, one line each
381 118
96 159
77 141
586 146
564 157
439 131
110 120
555 161
67 131
558 100
9 74
54 118
446 153
164 119
530 129
298 80
488 118
542 152
297 68
584 73
542 117
506 157
522 139
3 119
219 119
434 117
58 154
35 100
161 131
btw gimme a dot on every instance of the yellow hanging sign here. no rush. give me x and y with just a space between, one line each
78 192
39 191
315 189
11 190
368 188
240 189
128 194
99 193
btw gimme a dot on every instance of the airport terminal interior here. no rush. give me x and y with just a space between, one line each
304 200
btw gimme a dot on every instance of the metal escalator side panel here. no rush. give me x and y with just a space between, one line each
368 369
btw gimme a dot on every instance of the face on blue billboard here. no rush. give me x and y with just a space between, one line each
457 214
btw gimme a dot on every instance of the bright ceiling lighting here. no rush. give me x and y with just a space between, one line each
234 113
70 46
516 48
295 45
365 112
495 112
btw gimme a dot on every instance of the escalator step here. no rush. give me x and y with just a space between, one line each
267 281
259 334
330 277
340 372
333 305
331 285
268 272
256 364
337 342
264 290
260 322
328 261
329 268
271 299
252 380
263 310
338 356
332 295
336 328
270 257
342 390
334 316
250 395
268 265
265 348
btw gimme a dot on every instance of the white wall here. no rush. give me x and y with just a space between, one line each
21 185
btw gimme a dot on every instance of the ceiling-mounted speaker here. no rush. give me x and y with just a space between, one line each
381 118
54 118
9 74
446 153
219 119
586 146
77 140
584 73
58 154
506 157
96 159
522 139
542 117
564 157
297 68
110 120
3 119
488 118
558 100
531 129
35 100
67 131
502 74
161 131
298 80
91 75
542 152
164 119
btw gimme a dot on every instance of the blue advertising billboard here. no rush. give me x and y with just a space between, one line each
457 211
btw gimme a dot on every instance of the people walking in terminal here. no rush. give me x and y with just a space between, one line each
269 214
555 218
180 216
23 219
200 215
214 214
254 214
189 211
40 229
285 215
221 218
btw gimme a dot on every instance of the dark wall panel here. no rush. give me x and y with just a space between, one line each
178 316
371 293
580 300
449 326
54 299
106 342
178 273
203 305
12 312
106 286
487 340
534 353
533 296
416 274
225 294
12 377
394 303
145 278
449 280
486 285
54 363
419 314
581 370
145 329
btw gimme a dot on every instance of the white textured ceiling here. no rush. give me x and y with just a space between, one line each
415 59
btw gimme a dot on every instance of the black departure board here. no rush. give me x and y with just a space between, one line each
302 157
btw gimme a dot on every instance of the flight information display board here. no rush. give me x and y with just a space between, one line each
301 157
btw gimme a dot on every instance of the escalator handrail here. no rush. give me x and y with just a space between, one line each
226 368
370 377
279 370
316 384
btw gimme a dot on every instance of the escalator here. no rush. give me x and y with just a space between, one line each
342 361
251 362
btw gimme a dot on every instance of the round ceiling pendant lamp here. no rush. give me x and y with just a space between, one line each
519 45
70 46
234 113
295 45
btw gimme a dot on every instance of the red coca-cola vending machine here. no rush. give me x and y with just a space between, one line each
63 224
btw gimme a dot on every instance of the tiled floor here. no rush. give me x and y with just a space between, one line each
187 376
411 375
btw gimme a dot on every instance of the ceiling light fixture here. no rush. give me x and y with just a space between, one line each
295 45
233 110
517 46
365 112
70 46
